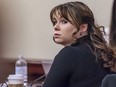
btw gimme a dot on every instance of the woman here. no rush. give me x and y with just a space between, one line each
85 58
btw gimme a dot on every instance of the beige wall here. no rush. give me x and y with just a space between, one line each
27 30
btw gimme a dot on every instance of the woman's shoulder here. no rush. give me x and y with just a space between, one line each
76 48
76 55
71 49
66 51
72 52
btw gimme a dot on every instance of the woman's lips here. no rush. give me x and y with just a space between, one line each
56 35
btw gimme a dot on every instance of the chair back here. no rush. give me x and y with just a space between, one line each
109 81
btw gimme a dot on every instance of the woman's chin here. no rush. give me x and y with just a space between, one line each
58 41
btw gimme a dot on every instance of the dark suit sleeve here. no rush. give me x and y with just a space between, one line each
61 69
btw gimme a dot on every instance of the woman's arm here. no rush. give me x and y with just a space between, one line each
61 69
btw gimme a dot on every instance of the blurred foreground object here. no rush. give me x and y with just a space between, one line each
21 68
112 37
6 67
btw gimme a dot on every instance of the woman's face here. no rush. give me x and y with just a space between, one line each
63 31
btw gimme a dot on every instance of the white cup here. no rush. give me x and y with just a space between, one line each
15 80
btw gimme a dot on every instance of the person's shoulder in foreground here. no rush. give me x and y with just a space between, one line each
86 58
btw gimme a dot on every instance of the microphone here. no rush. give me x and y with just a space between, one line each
4 84
39 78
28 85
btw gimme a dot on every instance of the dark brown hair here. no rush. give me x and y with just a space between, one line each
80 14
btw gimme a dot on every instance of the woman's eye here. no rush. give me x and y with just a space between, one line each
54 22
64 21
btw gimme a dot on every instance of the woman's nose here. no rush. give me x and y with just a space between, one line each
56 26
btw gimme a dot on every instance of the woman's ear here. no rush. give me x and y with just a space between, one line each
82 31
83 27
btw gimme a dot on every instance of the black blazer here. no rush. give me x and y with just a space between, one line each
76 66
